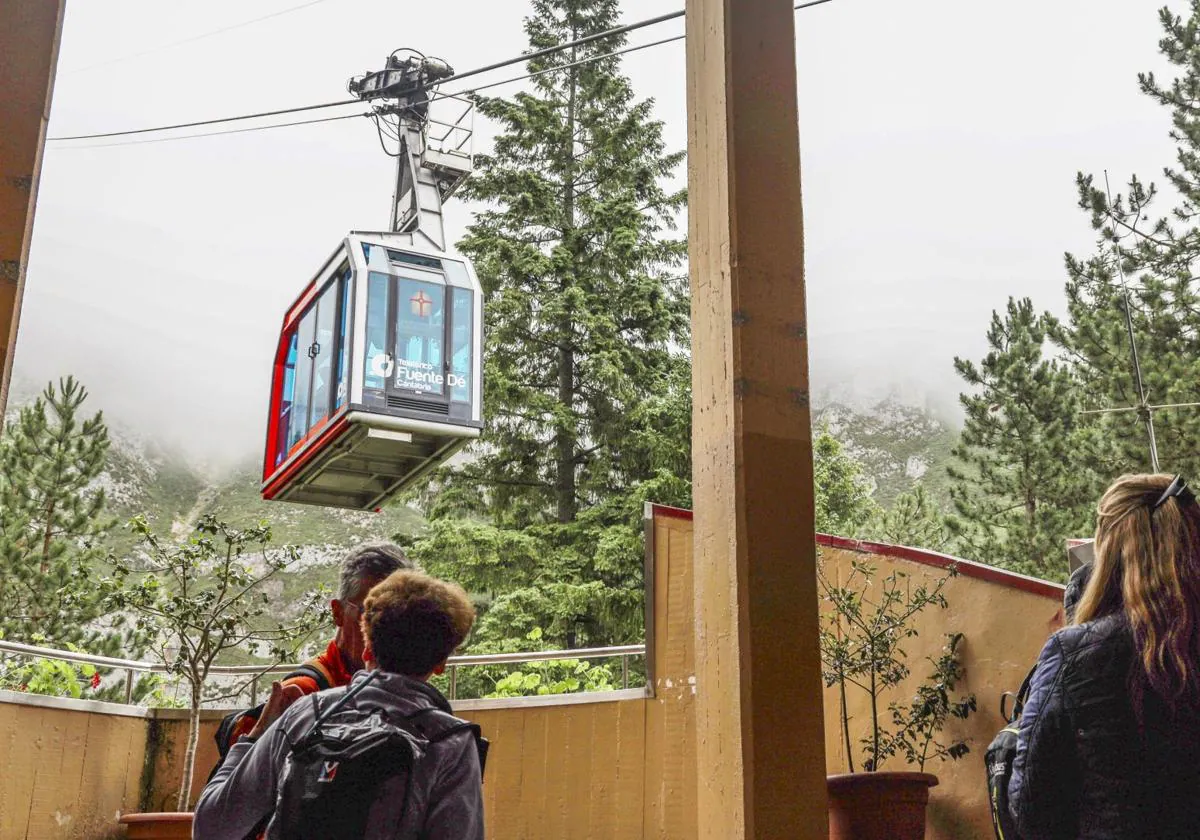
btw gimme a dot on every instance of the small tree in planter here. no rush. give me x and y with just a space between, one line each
207 597
863 635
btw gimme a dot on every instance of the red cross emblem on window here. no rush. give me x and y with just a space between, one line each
421 304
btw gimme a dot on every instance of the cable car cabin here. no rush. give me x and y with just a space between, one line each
377 375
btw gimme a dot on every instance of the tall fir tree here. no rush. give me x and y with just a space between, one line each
1020 485
1157 256
53 521
587 383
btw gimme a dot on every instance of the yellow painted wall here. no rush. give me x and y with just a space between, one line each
569 771
1004 628
66 773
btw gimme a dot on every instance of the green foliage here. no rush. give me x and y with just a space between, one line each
914 520
917 724
1156 255
1039 486
587 390
205 597
862 642
843 492
52 521
48 676
1020 488
565 676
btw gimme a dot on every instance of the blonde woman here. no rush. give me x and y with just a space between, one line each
1109 743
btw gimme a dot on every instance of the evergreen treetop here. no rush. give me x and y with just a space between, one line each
1019 490
52 522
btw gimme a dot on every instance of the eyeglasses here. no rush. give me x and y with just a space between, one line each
1177 489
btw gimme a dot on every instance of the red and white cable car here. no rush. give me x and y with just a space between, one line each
377 374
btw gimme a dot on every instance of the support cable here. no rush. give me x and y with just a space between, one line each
557 48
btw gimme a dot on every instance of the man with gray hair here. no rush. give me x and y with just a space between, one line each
362 567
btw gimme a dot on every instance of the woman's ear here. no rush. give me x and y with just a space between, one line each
441 669
368 656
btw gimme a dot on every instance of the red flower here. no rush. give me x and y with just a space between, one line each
95 681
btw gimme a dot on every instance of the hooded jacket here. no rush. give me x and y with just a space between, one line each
446 797
1086 769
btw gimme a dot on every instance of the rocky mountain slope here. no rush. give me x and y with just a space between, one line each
898 443
173 493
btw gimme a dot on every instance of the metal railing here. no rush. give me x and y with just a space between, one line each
132 667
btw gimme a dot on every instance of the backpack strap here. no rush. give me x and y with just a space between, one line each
314 671
231 723
1018 699
435 725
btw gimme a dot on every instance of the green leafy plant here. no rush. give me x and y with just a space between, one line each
51 677
207 597
918 722
564 676
862 647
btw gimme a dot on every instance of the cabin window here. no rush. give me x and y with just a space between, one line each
282 443
322 352
304 366
462 306
377 365
343 364
317 344
420 336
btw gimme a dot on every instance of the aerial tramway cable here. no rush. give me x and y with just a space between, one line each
620 30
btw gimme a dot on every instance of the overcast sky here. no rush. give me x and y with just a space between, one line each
939 142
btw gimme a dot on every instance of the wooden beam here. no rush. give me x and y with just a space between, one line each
29 36
759 723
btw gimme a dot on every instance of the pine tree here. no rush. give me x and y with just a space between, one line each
1156 255
52 522
586 380
1020 486
913 520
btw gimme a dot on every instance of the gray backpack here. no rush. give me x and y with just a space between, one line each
335 772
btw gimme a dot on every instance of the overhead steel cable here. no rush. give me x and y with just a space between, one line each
620 30
217 121
216 133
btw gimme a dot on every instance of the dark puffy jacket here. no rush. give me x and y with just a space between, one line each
1084 770
1074 591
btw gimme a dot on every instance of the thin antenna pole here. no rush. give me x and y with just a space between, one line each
1143 408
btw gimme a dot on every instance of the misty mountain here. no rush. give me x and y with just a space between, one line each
897 442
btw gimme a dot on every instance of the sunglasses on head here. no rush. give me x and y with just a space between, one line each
1177 489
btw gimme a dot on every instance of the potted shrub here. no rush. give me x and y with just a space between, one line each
863 633
196 601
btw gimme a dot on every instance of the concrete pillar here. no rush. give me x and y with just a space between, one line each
29 37
759 723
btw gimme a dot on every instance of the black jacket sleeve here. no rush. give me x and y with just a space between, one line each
1042 792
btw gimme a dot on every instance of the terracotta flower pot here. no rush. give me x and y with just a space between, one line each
165 826
878 806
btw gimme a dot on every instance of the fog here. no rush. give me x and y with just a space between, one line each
939 142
